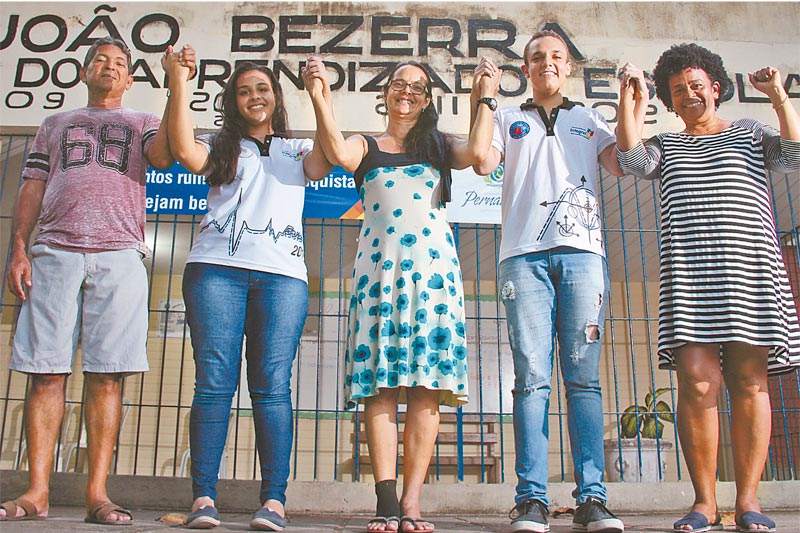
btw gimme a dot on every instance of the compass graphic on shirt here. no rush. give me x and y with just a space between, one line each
574 214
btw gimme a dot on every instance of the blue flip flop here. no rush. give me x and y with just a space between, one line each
204 518
752 518
698 522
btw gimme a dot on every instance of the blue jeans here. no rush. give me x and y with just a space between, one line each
563 292
223 304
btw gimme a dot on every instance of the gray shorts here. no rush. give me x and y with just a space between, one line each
100 298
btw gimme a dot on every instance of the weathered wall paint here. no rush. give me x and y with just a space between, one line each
43 44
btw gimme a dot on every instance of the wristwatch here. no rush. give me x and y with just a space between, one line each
491 102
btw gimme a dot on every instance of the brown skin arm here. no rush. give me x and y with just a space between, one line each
26 213
767 80
347 153
159 153
475 150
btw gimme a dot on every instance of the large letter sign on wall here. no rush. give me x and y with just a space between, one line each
42 46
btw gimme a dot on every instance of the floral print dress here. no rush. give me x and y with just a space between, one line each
406 324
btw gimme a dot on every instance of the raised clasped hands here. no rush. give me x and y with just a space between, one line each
486 78
181 64
632 82
315 76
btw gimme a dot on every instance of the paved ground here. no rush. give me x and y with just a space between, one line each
71 519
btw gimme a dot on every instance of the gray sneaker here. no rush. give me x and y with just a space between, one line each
529 516
593 517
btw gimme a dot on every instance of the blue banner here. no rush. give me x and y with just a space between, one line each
176 191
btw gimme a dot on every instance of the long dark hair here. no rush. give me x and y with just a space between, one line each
424 141
225 145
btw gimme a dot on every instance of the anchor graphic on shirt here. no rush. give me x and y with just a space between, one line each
582 210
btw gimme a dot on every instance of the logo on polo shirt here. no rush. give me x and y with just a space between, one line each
586 133
519 129
297 156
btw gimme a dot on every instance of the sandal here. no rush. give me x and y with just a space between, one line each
415 523
388 507
754 518
384 520
99 513
698 522
11 508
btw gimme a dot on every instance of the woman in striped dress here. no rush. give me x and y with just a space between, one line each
726 308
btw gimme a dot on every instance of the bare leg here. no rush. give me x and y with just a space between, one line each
380 418
44 409
102 413
422 427
745 371
699 379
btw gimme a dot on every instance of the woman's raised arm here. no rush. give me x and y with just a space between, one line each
182 144
346 153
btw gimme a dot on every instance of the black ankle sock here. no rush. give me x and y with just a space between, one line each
388 505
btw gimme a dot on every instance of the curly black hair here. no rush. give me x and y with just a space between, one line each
689 55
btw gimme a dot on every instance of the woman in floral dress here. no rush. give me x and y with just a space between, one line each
406 338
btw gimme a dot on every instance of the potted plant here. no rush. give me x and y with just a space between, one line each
640 454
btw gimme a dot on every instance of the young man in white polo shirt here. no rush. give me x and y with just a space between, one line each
554 277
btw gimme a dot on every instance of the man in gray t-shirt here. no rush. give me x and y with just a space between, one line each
84 185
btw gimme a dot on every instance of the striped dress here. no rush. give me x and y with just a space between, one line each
722 274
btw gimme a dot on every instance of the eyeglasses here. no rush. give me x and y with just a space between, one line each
400 85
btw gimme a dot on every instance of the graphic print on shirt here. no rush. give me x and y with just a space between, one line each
111 148
582 212
236 235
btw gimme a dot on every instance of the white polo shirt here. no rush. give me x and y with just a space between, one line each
255 222
550 183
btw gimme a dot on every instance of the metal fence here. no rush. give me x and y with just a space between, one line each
476 442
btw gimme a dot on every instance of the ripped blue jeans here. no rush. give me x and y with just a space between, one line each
560 292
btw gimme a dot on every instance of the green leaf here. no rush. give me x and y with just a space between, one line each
665 412
662 390
650 429
648 400
629 423
633 408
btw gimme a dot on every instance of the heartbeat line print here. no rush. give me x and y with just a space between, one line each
236 236
581 207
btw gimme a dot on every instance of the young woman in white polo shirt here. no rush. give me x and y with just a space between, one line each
245 276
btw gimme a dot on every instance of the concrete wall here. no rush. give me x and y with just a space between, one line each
43 44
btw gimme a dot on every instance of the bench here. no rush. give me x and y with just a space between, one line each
479 439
